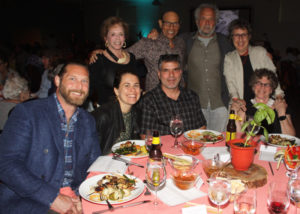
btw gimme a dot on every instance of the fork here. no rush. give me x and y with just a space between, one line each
110 207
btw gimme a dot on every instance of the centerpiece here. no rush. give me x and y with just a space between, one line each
242 150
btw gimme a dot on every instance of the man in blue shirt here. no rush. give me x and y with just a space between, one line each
48 144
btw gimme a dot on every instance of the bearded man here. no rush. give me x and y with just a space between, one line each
46 148
206 51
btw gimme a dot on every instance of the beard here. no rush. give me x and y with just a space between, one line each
207 34
66 94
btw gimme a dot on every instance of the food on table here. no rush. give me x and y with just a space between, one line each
112 187
237 186
191 147
206 136
281 141
194 134
184 181
291 156
130 148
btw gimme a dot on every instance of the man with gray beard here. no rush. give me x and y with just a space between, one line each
206 50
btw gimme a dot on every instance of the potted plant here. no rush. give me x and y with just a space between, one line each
242 150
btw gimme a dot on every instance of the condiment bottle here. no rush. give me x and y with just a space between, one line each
231 127
155 152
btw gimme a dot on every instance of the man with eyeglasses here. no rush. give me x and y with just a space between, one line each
206 50
166 43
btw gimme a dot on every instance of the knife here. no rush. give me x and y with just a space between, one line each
126 161
124 206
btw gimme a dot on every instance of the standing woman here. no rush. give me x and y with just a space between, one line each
239 65
113 32
117 120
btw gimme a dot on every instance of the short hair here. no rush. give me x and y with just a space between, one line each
63 70
169 58
14 86
239 24
206 5
263 72
120 74
111 21
162 15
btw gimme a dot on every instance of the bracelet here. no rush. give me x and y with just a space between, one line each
281 118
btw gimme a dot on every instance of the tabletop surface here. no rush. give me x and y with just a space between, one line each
167 142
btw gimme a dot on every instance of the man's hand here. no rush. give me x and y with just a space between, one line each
153 34
93 56
65 204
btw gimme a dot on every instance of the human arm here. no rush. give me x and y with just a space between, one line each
93 56
286 124
230 76
153 34
66 204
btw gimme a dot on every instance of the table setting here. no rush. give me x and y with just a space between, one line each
168 194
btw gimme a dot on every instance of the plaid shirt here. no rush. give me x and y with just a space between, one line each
157 110
68 131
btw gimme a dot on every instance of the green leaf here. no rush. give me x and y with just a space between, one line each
245 125
266 134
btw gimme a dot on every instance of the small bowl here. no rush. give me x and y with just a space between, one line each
210 166
185 181
192 147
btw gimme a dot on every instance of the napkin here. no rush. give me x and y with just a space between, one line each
173 196
107 164
267 153
194 210
210 152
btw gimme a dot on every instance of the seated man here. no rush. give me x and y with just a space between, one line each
46 148
168 99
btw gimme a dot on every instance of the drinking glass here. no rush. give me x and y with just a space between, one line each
155 175
292 173
148 139
219 191
278 197
245 203
294 190
176 127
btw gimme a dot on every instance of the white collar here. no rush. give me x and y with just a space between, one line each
269 103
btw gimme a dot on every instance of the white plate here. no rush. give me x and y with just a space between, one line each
86 188
137 142
197 133
297 140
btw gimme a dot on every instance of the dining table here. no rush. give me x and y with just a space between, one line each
279 175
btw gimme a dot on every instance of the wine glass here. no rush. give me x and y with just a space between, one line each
292 173
176 127
155 175
245 203
278 197
219 191
294 190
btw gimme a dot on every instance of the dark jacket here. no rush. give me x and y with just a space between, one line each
109 124
32 155
225 47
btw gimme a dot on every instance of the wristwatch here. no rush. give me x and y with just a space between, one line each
281 118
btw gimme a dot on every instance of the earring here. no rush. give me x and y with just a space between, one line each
106 44
124 45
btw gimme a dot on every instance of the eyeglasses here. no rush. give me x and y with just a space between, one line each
243 36
260 84
169 24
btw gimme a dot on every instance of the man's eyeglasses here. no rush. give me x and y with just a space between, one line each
169 24
266 85
243 36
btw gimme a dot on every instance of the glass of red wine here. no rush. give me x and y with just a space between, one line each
278 197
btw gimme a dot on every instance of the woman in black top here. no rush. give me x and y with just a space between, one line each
117 120
102 72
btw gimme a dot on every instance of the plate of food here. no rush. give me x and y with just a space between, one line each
282 140
207 136
131 148
117 188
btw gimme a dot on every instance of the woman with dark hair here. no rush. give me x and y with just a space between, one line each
117 120
240 64
102 73
263 83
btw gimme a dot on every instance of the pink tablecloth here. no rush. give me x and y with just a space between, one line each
167 141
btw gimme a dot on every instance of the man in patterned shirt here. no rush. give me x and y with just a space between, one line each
46 148
168 98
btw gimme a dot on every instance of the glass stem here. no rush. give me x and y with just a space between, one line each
218 208
176 142
155 201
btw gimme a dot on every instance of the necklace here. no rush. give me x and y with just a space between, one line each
118 60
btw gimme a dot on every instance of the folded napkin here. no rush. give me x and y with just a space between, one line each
210 152
173 196
267 153
194 210
107 164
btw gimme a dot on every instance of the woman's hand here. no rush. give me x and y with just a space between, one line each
280 106
93 55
